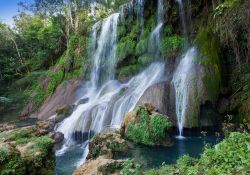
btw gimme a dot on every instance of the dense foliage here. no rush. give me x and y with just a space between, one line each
231 156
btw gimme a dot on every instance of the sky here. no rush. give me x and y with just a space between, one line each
8 9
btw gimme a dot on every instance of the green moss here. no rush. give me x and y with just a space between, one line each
210 58
212 84
208 47
17 134
147 129
171 45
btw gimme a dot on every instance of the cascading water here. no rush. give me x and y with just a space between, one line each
154 41
108 99
140 6
102 71
185 77
127 9
183 21
182 79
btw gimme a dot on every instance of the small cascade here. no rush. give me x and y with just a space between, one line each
154 41
105 59
183 75
182 80
140 8
183 21
127 9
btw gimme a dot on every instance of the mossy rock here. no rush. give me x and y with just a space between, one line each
106 143
146 126
210 59
23 152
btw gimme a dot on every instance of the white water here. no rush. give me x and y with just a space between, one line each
105 53
183 21
107 99
140 6
108 106
127 9
155 37
182 80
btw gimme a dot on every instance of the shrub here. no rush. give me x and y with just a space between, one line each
148 129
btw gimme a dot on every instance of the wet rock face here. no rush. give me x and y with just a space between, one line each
65 95
58 137
63 112
162 96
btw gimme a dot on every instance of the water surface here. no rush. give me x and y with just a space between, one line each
149 157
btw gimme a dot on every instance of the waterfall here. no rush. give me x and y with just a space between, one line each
154 40
184 89
140 6
108 106
127 9
183 21
108 100
105 53
160 12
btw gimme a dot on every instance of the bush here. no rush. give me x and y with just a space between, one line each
148 129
